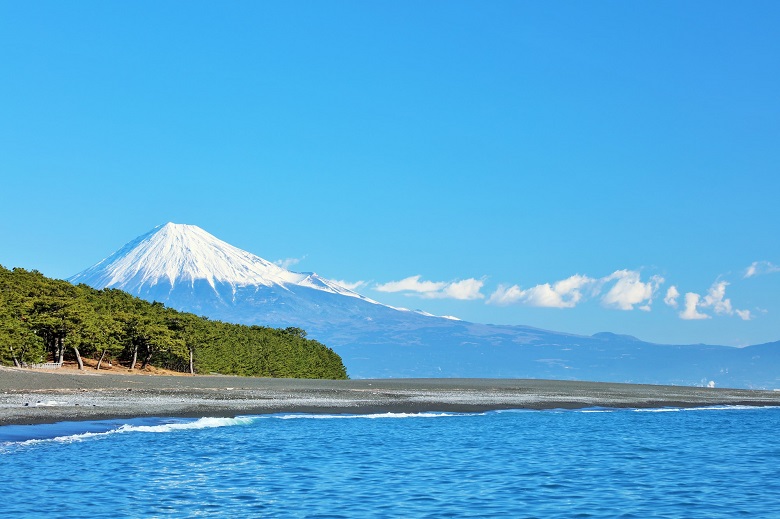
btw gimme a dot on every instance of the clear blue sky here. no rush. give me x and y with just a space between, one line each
560 165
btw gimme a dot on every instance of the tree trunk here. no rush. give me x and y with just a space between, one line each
192 363
60 350
78 358
146 360
52 347
135 358
18 365
102 355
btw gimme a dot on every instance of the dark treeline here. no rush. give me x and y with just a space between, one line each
49 320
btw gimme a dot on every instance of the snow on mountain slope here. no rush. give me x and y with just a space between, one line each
188 269
178 254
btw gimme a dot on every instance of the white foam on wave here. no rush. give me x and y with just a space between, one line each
731 408
704 408
365 416
658 410
201 423
672 409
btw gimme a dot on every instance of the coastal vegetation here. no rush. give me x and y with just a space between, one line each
43 319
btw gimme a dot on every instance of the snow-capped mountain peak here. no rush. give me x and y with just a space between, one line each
175 254
188 269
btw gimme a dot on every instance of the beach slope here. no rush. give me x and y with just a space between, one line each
28 397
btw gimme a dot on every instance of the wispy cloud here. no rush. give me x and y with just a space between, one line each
624 290
351 285
758 268
464 289
621 290
565 293
672 294
715 300
411 284
289 262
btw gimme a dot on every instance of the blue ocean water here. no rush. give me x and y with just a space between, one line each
709 463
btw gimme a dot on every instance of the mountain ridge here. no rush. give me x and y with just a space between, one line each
175 253
191 270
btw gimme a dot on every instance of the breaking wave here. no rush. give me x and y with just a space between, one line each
675 409
703 408
367 416
201 423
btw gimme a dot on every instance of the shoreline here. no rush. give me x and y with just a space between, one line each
45 397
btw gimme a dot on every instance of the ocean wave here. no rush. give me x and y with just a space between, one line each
703 408
588 410
201 423
366 416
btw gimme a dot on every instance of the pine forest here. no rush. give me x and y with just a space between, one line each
49 320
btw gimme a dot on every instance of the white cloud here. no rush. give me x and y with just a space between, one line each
565 293
545 295
629 290
758 268
690 312
716 300
350 285
288 262
464 289
506 295
623 290
411 284
671 296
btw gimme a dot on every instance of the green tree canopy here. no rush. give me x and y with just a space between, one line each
48 319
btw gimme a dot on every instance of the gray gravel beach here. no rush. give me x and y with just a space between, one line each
28 397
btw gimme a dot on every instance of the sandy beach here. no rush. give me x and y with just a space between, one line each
29 397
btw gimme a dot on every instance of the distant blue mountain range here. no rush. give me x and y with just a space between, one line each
188 269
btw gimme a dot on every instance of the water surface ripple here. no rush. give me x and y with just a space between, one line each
547 464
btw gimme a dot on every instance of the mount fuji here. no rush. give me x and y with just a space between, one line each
188 269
